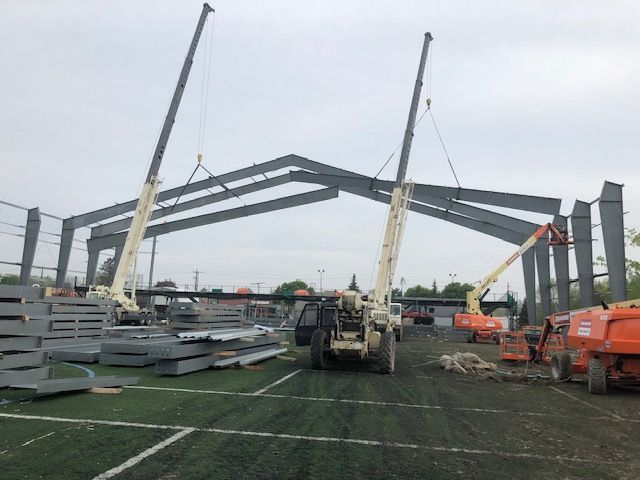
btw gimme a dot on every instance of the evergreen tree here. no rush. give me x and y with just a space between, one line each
434 289
354 284
106 272
523 318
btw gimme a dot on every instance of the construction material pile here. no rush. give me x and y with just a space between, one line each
204 316
466 363
33 321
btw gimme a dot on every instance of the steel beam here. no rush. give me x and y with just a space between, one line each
30 243
612 218
561 266
124 223
118 239
66 243
581 226
528 203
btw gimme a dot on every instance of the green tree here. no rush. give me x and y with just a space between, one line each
417 291
523 317
354 284
167 282
434 293
10 279
106 272
456 290
287 288
396 292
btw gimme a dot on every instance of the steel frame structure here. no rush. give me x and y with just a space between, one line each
451 204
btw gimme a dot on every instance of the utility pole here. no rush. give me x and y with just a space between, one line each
321 271
257 284
197 278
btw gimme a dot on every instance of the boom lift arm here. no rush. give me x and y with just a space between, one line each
152 183
555 237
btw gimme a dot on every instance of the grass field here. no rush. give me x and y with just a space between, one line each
346 422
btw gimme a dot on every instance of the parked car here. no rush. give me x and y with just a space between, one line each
421 314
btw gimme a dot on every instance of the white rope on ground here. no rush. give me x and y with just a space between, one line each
466 363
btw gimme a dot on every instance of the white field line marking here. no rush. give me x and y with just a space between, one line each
37 438
96 422
342 400
142 455
600 409
278 382
186 430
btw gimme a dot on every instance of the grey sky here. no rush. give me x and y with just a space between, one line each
532 97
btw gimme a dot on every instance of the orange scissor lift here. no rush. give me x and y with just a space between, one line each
523 345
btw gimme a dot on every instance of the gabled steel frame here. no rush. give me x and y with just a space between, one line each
445 203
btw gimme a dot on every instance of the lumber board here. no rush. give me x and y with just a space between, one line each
25 375
23 359
57 385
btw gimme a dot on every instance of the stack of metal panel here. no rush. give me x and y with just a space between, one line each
204 316
32 320
218 348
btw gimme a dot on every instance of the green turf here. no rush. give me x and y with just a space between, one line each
575 440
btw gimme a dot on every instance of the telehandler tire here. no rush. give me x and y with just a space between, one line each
387 360
561 367
319 350
597 376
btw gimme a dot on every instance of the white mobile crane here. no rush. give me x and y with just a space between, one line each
362 327
149 193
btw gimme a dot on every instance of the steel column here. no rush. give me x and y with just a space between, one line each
529 270
544 276
581 226
561 266
92 267
30 243
612 218
66 242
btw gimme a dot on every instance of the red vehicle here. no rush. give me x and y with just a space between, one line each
420 314
480 327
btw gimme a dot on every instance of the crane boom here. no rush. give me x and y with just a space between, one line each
555 237
150 188
400 198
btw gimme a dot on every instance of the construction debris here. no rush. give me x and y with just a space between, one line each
466 363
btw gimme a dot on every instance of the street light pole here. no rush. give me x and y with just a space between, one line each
452 276
321 271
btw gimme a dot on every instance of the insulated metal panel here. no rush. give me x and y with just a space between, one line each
15 360
22 376
612 218
79 383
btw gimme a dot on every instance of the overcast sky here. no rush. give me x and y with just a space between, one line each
530 97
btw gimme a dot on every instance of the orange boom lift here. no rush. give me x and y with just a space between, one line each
607 339
484 327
